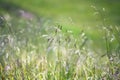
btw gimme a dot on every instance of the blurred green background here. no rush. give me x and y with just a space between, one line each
77 15
81 12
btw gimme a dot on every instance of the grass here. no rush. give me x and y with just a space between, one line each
75 15
31 51
58 50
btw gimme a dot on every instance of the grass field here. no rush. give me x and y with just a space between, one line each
81 12
76 14
71 41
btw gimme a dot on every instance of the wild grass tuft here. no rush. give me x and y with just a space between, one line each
29 50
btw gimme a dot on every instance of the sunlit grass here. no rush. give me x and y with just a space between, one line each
66 48
52 51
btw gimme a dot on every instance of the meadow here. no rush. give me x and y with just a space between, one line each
76 15
65 43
